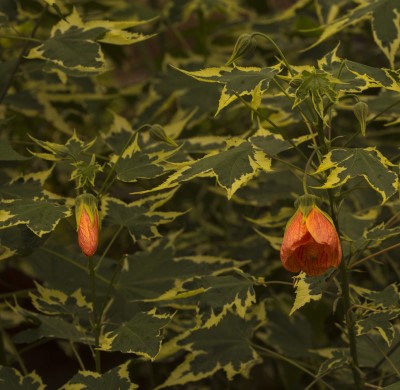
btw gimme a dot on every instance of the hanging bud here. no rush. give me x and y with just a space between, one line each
360 110
245 44
158 133
87 222
311 243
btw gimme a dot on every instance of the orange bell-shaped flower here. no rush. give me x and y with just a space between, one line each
311 243
87 222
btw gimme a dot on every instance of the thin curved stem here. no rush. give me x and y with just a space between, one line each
77 356
385 356
392 350
104 254
74 263
20 38
306 169
21 55
96 327
277 48
358 262
277 355
106 185
383 111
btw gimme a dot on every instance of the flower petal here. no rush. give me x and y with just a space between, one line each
321 228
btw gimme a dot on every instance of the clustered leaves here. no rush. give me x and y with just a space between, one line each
192 141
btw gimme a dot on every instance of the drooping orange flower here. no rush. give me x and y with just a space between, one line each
87 222
311 243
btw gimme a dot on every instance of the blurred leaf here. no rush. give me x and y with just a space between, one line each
336 358
25 187
119 135
71 150
380 322
383 15
7 153
74 44
10 378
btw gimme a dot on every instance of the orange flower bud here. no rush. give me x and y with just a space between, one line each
311 243
87 222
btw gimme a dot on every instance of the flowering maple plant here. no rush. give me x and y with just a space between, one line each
311 243
186 129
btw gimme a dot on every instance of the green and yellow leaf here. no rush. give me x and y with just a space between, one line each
10 378
225 346
308 288
116 378
233 167
345 164
241 81
141 335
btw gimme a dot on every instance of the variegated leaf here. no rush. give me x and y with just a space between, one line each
135 163
251 81
232 167
116 378
225 346
220 295
73 45
119 135
7 153
336 358
40 215
317 84
55 302
345 164
141 335
137 280
10 378
139 216
72 148
50 327
28 186
385 21
308 288
381 321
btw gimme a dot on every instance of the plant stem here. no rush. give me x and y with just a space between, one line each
3 358
23 51
77 356
348 313
277 355
385 356
285 61
114 237
358 262
73 262
96 325
16 37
